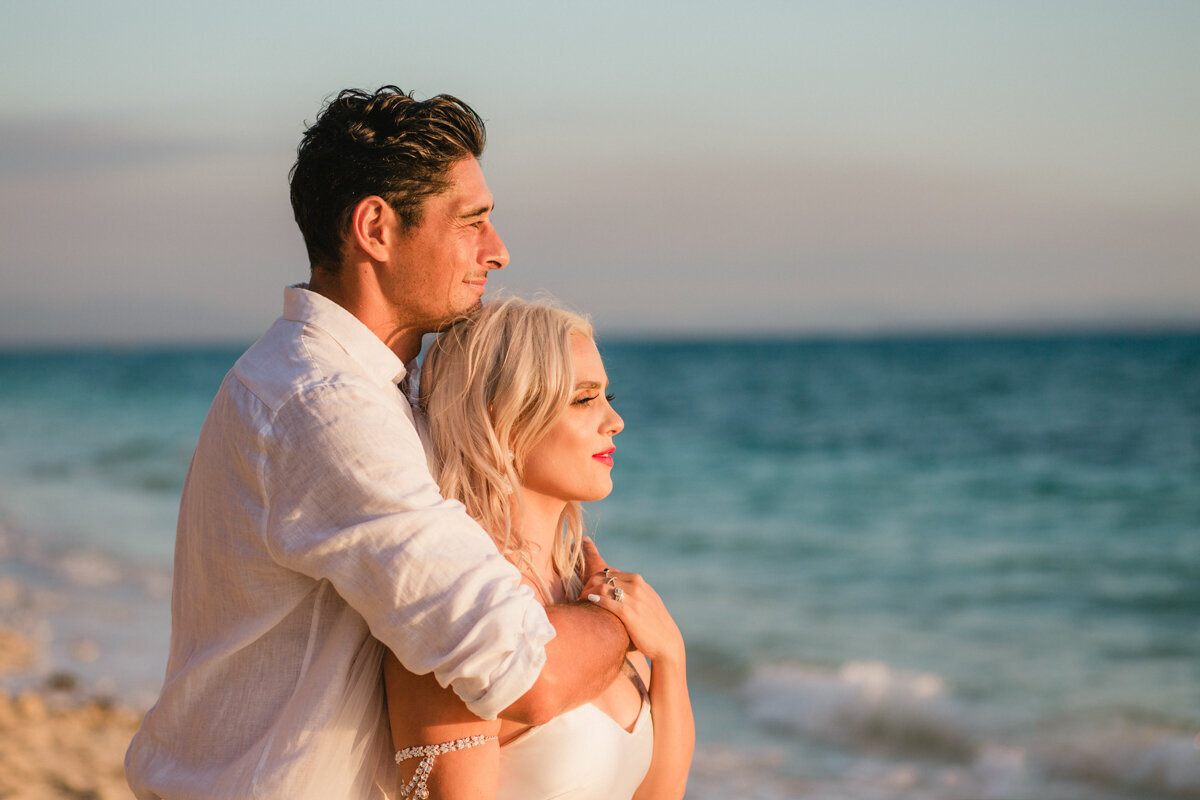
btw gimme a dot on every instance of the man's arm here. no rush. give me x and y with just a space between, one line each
353 503
582 660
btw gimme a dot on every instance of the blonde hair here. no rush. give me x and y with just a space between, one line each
492 385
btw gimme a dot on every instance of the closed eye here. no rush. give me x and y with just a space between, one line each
583 401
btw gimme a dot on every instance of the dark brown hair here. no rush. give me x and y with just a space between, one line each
385 144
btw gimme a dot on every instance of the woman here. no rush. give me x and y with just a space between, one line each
522 431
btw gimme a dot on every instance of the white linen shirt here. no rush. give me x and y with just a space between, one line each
309 524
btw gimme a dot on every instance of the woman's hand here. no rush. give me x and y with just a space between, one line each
650 626
653 632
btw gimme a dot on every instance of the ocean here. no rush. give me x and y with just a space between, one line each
927 567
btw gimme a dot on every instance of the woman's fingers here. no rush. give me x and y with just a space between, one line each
639 607
607 603
606 581
593 562
618 593
594 566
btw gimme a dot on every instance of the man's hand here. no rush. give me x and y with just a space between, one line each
583 658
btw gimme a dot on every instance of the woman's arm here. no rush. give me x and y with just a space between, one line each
674 732
655 634
421 712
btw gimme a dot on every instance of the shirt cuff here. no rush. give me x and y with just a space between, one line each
518 672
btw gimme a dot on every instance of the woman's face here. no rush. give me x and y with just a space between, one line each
573 460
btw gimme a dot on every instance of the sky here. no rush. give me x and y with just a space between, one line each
670 168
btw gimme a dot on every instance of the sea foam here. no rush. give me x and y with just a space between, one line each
863 703
1135 756
913 735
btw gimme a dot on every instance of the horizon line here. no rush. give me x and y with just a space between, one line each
621 335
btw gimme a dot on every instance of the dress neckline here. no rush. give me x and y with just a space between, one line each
638 724
643 713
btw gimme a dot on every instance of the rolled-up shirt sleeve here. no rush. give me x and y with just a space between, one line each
352 502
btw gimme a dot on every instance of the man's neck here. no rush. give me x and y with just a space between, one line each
356 294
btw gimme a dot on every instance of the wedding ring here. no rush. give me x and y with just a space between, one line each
618 594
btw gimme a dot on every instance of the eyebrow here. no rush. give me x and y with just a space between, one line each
477 212
588 385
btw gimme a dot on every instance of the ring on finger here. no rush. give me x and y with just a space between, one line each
609 578
618 594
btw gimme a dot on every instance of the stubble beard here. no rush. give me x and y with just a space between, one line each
441 325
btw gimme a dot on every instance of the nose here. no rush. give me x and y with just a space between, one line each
613 422
495 253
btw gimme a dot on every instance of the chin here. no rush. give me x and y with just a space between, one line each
599 494
446 322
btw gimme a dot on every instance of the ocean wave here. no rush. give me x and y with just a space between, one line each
89 568
51 563
864 704
98 624
131 450
888 721
147 464
1135 756
771 774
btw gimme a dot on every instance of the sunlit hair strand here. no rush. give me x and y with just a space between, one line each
492 385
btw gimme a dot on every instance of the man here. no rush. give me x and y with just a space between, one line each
310 529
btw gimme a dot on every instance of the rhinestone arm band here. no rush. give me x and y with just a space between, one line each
416 788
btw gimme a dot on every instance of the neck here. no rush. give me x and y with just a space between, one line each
355 287
539 527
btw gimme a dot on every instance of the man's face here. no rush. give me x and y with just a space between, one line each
440 267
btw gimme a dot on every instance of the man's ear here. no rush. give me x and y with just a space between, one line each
373 224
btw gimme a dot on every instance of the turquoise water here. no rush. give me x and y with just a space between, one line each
905 568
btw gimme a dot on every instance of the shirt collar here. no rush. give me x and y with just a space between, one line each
309 308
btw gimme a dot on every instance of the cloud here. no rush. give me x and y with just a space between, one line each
125 223
117 234
803 242
51 148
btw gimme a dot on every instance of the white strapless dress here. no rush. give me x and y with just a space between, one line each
583 754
